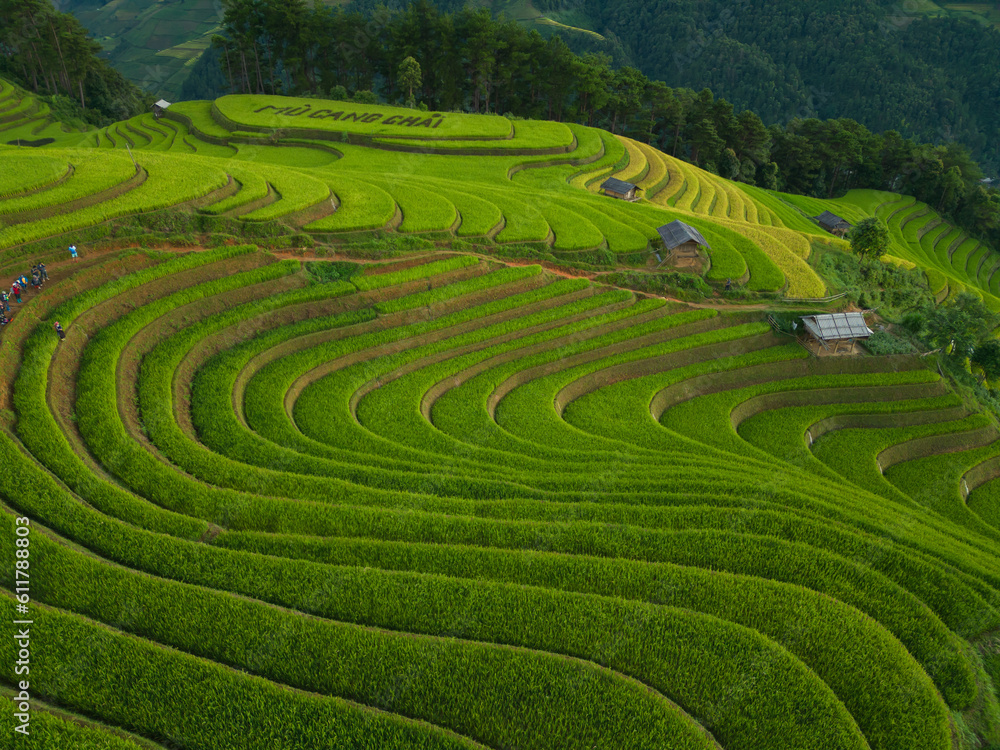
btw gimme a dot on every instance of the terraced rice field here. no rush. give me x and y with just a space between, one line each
953 261
778 231
340 168
442 502
332 167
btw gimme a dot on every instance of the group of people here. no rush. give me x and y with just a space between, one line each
38 278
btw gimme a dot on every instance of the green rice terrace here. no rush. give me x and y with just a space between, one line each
271 498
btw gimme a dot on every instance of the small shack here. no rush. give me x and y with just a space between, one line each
681 239
833 223
158 108
837 328
619 189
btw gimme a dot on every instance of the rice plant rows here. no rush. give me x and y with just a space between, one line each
444 502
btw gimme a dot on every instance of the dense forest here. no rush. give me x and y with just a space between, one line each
49 53
889 64
878 61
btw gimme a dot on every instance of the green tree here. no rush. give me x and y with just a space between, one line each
952 189
962 324
987 356
409 78
729 165
841 149
50 53
594 77
628 86
767 176
706 145
870 239
752 141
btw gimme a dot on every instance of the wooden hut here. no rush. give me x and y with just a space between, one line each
681 240
833 223
619 189
158 108
837 329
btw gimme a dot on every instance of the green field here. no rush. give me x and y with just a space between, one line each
431 499
355 168
953 261
154 45
334 167
340 167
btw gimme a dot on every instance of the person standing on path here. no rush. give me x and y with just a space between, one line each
72 252
16 290
5 301
45 274
59 329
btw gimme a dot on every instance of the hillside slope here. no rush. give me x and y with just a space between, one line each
444 502
155 45
467 176
527 495
314 165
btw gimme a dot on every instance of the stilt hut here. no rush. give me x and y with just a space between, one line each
837 329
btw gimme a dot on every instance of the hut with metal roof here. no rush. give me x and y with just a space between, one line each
833 223
159 106
837 329
619 189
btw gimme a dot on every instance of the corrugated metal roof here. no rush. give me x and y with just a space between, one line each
618 186
677 233
837 326
162 104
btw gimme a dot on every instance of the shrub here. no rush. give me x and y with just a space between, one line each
884 343
325 272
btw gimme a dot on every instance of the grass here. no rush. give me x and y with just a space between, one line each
297 191
578 515
171 182
638 167
399 502
25 171
528 134
253 187
423 210
374 188
361 206
92 173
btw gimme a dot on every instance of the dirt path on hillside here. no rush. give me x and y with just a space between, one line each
63 269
